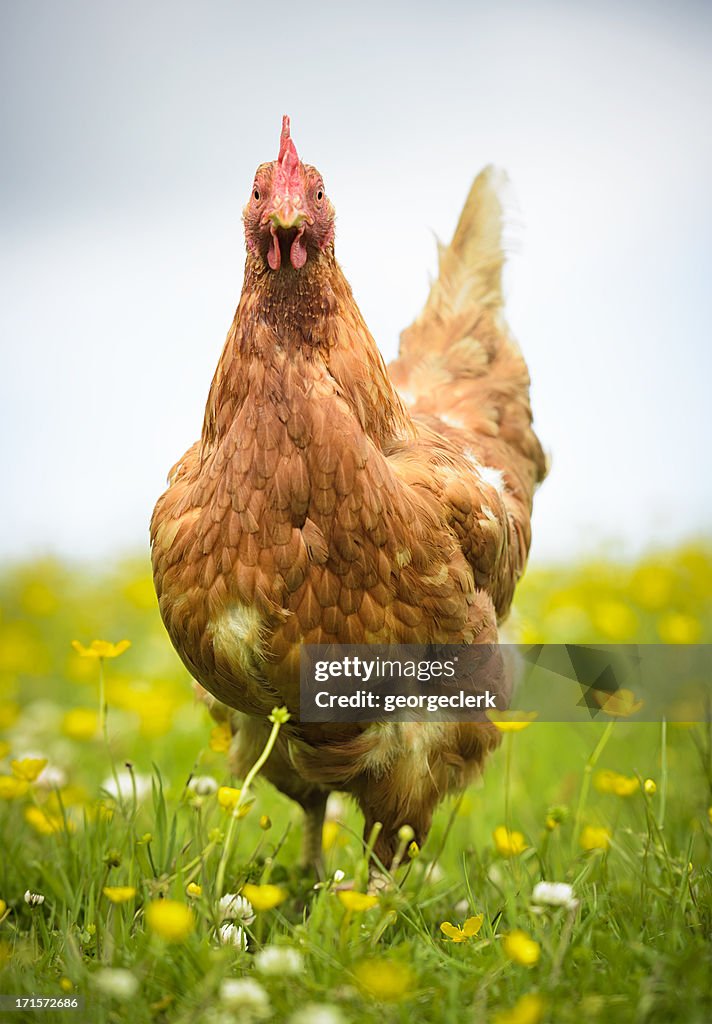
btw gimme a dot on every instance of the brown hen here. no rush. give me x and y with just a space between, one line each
330 500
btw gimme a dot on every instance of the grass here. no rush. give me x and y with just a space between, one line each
634 947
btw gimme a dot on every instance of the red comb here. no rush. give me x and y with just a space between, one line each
285 141
288 159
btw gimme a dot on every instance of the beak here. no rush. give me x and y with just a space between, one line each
287 212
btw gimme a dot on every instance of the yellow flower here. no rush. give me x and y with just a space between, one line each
228 798
607 781
156 713
620 704
357 900
101 648
511 721
551 823
220 738
529 1009
652 586
413 850
384 979
119 893
615 620
66 985
508 843
11 787
80 723
469 929
265 822
193 889
169 919
650 787
264 897
593 838
521 948
29 768
332 835
3 908
45 824
679 629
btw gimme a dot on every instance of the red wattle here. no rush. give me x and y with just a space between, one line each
274 256
298 251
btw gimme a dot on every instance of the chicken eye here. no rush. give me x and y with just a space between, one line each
319 195
256 194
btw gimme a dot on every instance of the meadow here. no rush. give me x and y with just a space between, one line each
139 876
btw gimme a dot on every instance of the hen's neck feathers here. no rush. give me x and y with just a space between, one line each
295 315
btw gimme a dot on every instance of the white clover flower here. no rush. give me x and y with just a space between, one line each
554 894
116 981
52 777
318 1013
236 908
232 935
247 995
203 785
279 961
339 876
125 788
335 807
34 899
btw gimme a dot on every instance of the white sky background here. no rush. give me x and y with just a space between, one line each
130 135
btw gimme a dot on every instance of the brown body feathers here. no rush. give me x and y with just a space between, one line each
332 500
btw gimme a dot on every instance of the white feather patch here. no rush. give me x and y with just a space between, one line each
238 636
492 477
452 421
487 474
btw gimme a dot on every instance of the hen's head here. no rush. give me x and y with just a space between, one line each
288 219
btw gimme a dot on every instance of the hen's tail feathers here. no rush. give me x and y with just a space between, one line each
459 369
470 268
468 285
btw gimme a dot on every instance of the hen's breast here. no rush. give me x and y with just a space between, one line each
295 528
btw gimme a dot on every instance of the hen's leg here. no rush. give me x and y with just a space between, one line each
314 810
250 736
412 787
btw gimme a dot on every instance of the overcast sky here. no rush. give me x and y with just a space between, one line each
130 134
